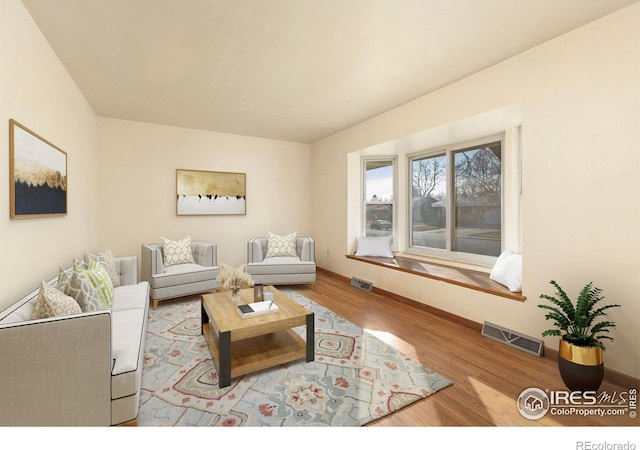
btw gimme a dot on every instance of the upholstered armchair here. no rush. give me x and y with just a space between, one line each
294 267
170 280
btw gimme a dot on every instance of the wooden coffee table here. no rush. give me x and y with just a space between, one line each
244 345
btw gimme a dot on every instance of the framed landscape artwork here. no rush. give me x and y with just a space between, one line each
38 172
201 192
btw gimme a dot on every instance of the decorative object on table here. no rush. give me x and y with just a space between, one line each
581 353
267 294
38 172
355 378
234 278
257 309
200 192
258 289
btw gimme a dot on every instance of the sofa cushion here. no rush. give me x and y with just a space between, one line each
127 340
177 252
133 296
106 260
183 273
281 265
281 245
53 302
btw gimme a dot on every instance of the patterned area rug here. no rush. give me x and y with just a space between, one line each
354 379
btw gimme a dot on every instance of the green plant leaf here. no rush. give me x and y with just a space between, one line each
576 321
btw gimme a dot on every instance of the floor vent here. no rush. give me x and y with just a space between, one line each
513 339
361 284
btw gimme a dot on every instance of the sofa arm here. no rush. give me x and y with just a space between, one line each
151 261
205 253
127 269
255 250
306 249
56 371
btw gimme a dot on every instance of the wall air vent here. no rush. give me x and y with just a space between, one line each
513 339
361 284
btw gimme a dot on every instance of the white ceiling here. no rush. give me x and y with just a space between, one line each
295 70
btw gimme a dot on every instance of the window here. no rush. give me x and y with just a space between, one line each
456 201
379 196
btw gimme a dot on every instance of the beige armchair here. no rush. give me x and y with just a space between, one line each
181 279
280 270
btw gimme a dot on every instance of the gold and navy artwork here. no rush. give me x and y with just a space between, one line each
38 171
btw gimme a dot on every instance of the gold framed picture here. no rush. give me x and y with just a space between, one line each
38 172
201 192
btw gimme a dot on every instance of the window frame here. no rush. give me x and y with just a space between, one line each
394 203
449 151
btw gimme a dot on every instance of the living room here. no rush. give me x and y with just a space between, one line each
577 101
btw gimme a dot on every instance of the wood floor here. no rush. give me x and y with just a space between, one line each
487 376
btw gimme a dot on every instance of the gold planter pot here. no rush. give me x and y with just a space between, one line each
581 368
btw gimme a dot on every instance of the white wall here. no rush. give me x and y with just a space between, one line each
580 101
138 163
36 90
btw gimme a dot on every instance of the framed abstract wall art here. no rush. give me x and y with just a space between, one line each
201 192
38 172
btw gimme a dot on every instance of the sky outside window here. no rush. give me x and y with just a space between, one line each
379 181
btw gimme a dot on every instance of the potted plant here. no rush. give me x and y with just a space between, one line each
580 356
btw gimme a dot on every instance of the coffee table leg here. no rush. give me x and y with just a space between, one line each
204 317
311 337
224 353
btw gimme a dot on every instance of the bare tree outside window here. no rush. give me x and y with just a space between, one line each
428 214
475 221
478 200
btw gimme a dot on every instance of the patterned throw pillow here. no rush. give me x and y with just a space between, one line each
64 278
99 279
52 302
74 283
106 259
281 245
177 252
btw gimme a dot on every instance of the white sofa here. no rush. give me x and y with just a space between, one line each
81 369
181 279
281 270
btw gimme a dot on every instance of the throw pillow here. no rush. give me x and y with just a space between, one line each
508 271
177 252
80 263
99 279
281 245
64 277
375 246
53 302
76 284
106 259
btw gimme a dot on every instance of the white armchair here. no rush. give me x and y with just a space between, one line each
280 270
180 279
